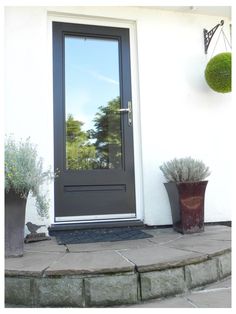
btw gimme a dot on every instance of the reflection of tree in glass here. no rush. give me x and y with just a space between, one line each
107 134
104 151
80 154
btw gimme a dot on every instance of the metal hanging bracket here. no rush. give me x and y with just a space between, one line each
209 34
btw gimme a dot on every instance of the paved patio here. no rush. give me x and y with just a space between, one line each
113 273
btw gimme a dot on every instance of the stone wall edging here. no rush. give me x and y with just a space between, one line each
114 289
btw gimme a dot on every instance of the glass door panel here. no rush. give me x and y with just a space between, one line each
92 103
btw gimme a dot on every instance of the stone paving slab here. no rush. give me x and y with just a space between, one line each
177 302
221 233
160 231
220 236
31 264
200 245
216 228
224 283
212 299
102 246
160 257
90 263
45 246
163 237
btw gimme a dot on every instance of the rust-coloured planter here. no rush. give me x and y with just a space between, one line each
14 224
187 205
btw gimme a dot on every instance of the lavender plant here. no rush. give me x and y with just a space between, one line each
185 170
24 172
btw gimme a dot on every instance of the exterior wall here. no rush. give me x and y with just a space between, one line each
176 114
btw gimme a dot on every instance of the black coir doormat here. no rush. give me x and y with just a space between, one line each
98 235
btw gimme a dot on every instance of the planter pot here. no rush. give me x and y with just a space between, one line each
187 205
14 224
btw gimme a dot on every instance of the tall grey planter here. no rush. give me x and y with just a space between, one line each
14 224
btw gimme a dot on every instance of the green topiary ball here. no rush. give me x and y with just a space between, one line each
218 73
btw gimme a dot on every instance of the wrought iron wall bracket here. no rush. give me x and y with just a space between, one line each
209 34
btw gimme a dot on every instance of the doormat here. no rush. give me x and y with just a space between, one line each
98 235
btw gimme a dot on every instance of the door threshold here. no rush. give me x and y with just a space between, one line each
95 225
94 218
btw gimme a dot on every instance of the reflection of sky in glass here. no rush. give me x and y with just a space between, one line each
91 76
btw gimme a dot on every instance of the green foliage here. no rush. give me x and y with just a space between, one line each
218 73
108 135
185 170
80 152
24 172
73 130
97 148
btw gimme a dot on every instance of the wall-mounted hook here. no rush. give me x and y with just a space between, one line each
209 34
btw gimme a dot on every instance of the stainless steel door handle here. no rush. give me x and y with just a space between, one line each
124 110
129 111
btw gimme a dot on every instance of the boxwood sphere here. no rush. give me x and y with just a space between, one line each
218 73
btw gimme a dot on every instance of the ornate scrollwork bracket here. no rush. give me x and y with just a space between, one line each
209 34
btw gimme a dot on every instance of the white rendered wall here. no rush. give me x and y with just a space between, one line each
28 109
179 115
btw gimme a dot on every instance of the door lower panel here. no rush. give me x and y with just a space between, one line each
94 188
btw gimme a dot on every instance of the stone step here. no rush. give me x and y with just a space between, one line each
113 274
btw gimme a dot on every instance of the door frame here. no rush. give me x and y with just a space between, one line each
131 25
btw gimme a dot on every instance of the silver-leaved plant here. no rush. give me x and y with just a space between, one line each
24 172
185 170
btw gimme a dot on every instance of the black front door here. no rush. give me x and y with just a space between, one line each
93 133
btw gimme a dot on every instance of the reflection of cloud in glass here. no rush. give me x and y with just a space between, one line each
95 74
103 78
